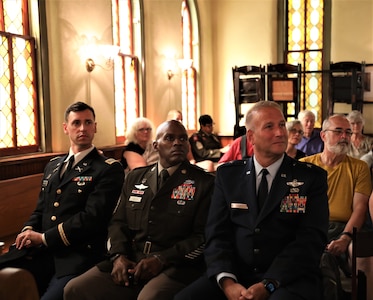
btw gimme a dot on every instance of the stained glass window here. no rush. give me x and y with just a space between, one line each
305 47
188 79
126 30
18 97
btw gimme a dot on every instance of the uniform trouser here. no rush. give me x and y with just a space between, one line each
97 285
207 288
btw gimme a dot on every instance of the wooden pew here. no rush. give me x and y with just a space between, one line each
18 197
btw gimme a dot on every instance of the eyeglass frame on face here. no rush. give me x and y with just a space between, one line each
294 131
339 132
148 129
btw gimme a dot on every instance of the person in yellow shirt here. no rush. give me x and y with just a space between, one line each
349 184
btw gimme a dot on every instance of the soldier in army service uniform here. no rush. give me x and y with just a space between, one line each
67 232
204 143
156 235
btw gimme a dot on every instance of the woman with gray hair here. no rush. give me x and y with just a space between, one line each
138 143
295 134
360 143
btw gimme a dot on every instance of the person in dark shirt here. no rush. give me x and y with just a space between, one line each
295 134
205 144
311 142
139 138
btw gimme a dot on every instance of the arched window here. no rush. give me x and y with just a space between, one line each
189 72
126 35
304 42
19 119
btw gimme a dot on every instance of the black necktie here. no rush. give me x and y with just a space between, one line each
263 189
70 163
163 176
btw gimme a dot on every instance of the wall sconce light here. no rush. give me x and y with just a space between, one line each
109 52
170 74
90 65
184 64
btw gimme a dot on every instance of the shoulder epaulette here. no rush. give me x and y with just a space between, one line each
235 163
54 158
110 161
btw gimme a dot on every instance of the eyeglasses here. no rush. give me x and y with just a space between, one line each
340 132
144 129
294 131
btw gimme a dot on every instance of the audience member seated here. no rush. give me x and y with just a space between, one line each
360 143
207 165
240 148
205 144
66 233
138 144
156 235
349 186
295 134
311 142
267 223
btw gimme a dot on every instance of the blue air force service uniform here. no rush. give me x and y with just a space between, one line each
284 241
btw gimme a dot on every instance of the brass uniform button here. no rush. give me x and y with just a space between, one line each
53 218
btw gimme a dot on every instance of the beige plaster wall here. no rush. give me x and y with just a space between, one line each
352 40
232 32
68 21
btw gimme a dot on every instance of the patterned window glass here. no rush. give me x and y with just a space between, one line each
18 97
126 22
188 80
305 46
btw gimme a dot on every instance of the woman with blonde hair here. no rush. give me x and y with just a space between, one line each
360 143
295 134
138 143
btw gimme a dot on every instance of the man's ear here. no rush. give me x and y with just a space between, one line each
322 135
155 145
64 125
250 136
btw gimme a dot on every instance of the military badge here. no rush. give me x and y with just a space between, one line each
293 203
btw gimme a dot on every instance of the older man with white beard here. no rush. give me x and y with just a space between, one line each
349 187
349 184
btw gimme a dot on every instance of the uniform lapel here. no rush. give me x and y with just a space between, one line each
279 188
81 167
176 179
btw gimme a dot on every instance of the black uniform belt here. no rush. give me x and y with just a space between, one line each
146 247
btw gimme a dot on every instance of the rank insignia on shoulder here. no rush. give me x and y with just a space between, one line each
110 161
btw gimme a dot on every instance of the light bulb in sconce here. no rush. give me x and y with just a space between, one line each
170 74
89 65
108 52
185 63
